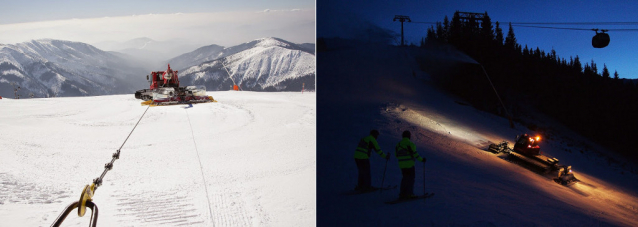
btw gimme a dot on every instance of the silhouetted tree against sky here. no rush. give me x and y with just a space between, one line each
499 34
510 40
577 65
487 32
605 72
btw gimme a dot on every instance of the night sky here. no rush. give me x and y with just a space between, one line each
337 18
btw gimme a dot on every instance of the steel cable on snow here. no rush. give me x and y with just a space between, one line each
201 168
88 192
109 166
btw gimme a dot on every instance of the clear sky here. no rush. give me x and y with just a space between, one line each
341 18
207 22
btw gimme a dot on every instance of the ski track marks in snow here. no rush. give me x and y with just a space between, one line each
18 192
229 209
158 209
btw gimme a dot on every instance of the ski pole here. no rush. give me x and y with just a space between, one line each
424 180
384 169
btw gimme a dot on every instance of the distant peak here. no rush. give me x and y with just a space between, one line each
41 41
272 41
142 39
51 41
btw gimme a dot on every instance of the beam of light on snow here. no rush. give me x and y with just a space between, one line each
436 123
609 201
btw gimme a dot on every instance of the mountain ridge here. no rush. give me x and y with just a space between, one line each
49 68
266 64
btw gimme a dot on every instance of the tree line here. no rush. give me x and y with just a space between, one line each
600 106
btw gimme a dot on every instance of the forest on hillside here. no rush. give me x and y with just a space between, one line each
600 106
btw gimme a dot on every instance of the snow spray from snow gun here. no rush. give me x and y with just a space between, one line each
88 192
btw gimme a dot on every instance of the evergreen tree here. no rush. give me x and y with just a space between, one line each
571 62
440 32
605 72
537 53
455 29
616 75
587 69
499 34
446 28
577 65
487 31
431 35
510 40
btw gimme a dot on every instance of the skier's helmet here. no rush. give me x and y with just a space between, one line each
406 134
374 133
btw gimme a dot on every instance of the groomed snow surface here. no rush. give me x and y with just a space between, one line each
257 153
373 86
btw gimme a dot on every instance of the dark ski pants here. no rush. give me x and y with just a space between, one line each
364 173
407 183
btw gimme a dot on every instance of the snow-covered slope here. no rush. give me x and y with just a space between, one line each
202 54
49 68
257 155
270 64
381 87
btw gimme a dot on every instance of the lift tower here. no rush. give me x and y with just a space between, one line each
401 19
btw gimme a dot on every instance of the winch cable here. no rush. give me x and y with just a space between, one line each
201 168
88 192
109 166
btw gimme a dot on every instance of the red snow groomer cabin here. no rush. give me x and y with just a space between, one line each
165 90
528 145
527 150
166 78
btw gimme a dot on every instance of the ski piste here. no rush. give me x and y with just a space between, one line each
374 189
427 195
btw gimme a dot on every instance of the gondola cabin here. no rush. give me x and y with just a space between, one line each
600 40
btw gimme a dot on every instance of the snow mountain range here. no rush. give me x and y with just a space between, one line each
268 64
51 68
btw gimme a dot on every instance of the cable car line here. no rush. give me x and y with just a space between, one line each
538 25
579 29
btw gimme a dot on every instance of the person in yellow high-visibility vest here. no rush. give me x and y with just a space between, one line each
362 159
406 154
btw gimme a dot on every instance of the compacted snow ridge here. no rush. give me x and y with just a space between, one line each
257 153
